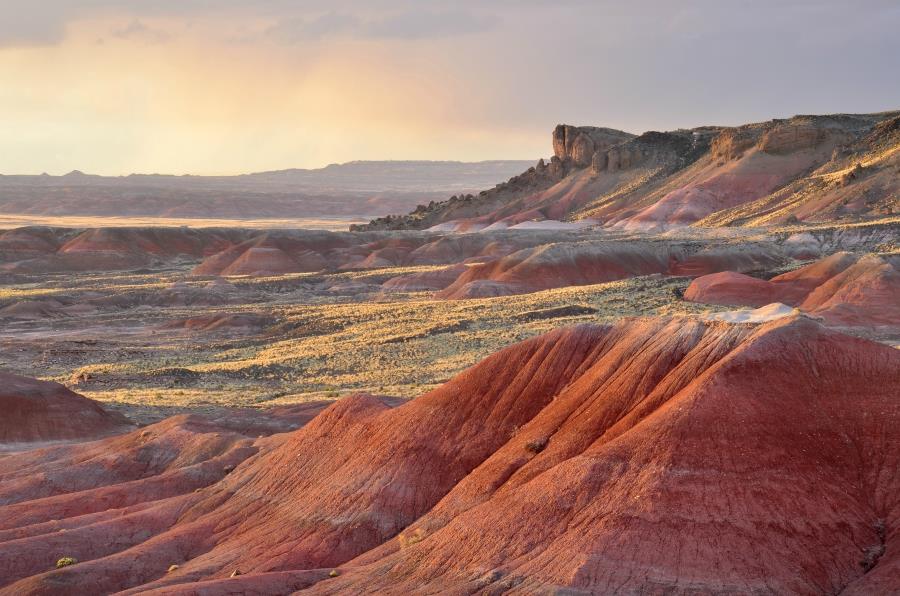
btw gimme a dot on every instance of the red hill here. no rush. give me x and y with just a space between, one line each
35 410
645 456
844 289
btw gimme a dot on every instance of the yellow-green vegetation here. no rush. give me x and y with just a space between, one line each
321 344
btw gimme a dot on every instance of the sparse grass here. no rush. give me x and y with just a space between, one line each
65 562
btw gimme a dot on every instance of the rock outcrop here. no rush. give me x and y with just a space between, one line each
787 137
579 143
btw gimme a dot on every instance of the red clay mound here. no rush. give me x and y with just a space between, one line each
388 252
426 281
274 253
30 242
599 491
806 279
272 260
146 241
866 293
39 250
843 289
557 265
457 248
32 410
646 456
731 289
575 264
94 499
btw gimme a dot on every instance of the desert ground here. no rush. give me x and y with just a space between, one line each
657 363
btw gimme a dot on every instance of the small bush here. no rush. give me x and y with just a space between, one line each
536 445
333 573
65 562
412 538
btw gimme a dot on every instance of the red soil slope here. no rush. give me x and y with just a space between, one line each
844 289
32 410
664 455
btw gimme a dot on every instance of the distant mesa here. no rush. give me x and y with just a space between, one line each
814 169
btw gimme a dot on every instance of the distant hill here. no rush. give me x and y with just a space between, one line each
354 189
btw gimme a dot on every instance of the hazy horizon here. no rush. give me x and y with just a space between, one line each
227 88
256 172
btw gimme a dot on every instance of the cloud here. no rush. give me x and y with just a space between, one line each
407 25
294 30
137 30
45 22
430 24
28 27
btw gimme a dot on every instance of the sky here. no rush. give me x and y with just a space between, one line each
233 86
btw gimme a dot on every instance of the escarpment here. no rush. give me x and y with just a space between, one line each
828 168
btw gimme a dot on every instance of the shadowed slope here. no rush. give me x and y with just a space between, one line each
33 410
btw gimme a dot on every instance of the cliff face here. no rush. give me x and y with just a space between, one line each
579 143
574 148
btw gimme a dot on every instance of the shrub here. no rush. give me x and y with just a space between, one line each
412 538
65 562
536 445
